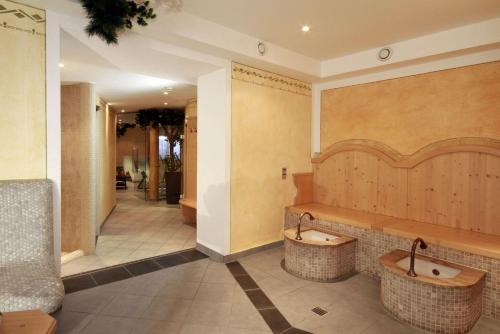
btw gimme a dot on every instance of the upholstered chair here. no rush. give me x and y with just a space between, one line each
28 276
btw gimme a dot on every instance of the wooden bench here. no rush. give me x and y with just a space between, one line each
188 207
459 239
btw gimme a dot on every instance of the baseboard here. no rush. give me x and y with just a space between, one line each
235 256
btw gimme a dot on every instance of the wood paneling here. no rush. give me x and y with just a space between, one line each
304 184
453 183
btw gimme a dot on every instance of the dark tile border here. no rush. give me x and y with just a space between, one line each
271 315
91 279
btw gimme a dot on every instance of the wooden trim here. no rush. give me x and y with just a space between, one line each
395 159
304 184
466 278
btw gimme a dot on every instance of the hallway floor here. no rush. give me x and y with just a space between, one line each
136 229
208 297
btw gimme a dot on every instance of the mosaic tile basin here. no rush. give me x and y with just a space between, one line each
444 297
320 256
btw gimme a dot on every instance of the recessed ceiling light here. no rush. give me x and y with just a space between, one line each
305 28
165 93
123 110
165 103
61 65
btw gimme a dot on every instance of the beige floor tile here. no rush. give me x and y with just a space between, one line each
135 230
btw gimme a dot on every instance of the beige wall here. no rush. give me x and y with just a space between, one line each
411 112
22 93
134 138
271 122
106 167
78 168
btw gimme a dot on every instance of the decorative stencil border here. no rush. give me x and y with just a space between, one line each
22 18
268 79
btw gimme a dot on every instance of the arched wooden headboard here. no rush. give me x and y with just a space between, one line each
454 182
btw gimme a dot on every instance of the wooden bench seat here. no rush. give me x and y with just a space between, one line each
463 240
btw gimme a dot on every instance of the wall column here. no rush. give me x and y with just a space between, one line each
213 170
153 163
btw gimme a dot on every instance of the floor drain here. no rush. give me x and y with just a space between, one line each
319 311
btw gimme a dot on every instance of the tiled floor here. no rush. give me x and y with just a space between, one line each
203 297
135 230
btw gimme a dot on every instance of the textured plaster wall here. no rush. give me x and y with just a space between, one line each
271 129
22 94
134 138
78 164
106 157
411 112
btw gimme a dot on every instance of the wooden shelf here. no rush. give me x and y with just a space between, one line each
356 218
188 202
463 240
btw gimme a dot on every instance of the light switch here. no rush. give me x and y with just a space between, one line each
283 173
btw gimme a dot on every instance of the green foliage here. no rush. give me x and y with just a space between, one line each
172 163
160 117
121 128
108 17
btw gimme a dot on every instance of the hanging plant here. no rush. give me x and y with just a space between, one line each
121 129
108 17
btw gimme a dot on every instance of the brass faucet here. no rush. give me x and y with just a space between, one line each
423 245
311 217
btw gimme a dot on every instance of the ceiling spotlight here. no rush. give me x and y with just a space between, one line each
306 28
165 93
123 110
61 65
165 103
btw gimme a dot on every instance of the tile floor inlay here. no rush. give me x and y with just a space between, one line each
136 229
205 297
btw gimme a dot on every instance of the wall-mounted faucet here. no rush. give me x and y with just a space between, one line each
423 245
311 217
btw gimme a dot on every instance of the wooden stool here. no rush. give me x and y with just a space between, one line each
27 322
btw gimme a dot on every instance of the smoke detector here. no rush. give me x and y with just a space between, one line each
384 54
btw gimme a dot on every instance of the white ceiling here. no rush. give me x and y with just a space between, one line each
340 27
123 90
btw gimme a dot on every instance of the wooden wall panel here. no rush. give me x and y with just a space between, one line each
348 180
392 190
492 195
454 183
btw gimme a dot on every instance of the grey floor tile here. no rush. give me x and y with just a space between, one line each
209 313
245 316
216 292
86 302
178 289
199 329
143 326
101 324
171 310
71 322
130 306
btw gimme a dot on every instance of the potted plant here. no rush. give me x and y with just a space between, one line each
173 178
